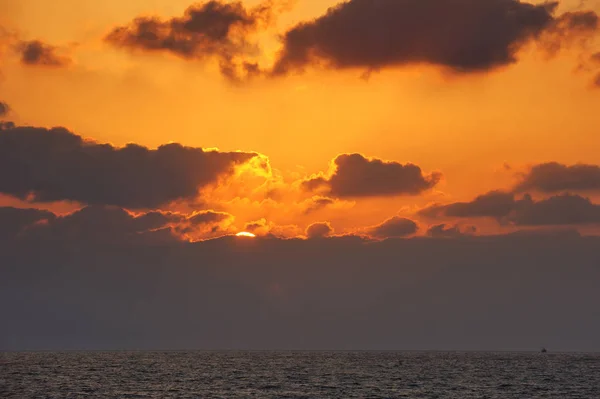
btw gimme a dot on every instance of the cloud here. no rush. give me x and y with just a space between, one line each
46 165
92 224
284 231
209 30
452 231
578 21
265 228
317 203
259 226
564 209
335 293
13 221
205 217
35 52
554 177
105 223
355 176
462 35
592 65
4 109
319 230
393 228
570 28
111 224
204 224
496 204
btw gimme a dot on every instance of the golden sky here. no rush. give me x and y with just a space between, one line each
479 130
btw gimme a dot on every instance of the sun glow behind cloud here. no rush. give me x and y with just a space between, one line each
245 234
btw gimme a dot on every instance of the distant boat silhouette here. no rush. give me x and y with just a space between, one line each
544 350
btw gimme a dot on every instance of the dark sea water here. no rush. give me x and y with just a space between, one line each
299 375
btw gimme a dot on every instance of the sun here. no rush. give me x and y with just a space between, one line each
245 234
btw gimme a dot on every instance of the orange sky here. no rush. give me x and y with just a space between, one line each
466 127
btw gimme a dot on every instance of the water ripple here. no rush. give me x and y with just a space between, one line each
299 375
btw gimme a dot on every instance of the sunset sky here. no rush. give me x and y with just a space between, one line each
173 121
479 129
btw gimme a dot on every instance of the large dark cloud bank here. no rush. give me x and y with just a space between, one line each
506 292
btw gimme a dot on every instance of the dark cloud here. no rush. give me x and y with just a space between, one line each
356 176
265 228
393 228
35 52
316 203
203 30
569 28
467 293
494 204
446 231
204 224
315 184
319 230
463 35
565 209
106 224
109 224
14 221
554 177
212 29
576 21
4 109
45 165
205 217
257 226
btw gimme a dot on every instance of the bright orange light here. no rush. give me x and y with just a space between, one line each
245 234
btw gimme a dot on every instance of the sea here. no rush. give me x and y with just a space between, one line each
232 374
